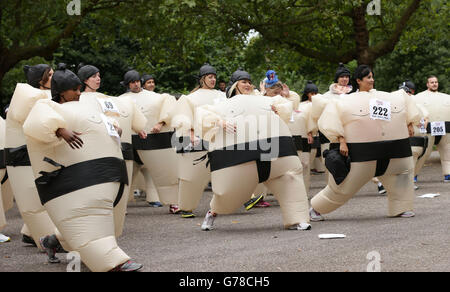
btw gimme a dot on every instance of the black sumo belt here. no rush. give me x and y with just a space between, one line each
155 141
301 144
381 152
17 156
252 151
67 179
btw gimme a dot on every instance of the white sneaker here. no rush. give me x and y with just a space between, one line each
301 226
208 222
416 187
407 214
315 216
4 238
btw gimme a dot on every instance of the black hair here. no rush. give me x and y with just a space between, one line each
360 72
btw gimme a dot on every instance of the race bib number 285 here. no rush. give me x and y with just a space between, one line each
437 128
380 110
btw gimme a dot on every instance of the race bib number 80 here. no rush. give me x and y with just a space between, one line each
108 105
380 110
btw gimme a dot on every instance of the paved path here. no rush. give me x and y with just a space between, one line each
255 241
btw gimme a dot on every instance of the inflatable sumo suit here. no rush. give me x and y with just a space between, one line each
157 151
438 106
193 175
124 111
78 187
377 148
261 151
2 172
300 124
18 166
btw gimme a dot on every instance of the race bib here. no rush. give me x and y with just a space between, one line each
108 105
422 128
380 110
110 127
437 128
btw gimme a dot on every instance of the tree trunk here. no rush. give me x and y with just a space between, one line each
362 36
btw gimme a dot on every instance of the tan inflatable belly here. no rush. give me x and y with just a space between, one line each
80 199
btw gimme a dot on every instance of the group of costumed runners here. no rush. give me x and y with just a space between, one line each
71 153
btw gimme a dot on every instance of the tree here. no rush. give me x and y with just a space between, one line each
31 28
333 31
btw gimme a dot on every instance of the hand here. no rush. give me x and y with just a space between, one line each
411 130
142 134
274 109
229 127
285 91
262 89
70 137
343 148
118 130
194 139
310 138
157 128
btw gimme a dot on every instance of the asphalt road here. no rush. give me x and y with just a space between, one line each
255 241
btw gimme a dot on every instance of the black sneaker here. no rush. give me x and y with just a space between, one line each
49 243
381 190
129 266
187 214
252 202
28 240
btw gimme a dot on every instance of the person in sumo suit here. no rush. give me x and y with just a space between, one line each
194 176
419 139
131 120
78 184
157 150
438 129
20 175
372 129
251 144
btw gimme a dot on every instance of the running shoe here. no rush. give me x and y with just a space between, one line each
381 190
155 204
208 222
187 214
28 240
49 244
252 202
315 216
174 209
447 178
407 214
262 204
301 226
129 266
4 238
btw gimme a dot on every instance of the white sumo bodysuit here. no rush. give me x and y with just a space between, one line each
193 176
157 152
130 120
235 173
438 106
78 187
300 124
376 147
20 176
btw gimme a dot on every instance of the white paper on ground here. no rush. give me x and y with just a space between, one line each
331 235
429 195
